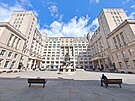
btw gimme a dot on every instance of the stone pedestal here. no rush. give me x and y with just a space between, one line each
67 67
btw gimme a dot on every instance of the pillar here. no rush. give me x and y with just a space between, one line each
93 64
99 63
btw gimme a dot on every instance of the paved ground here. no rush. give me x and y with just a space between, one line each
81 86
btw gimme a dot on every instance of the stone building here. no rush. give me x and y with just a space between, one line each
56 48
11 47
112 32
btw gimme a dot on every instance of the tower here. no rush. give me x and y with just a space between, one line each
25 22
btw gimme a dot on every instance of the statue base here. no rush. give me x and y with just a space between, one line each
66 69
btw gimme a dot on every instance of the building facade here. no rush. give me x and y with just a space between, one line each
103 55
55 49
36 51
122 47
11 47
25 22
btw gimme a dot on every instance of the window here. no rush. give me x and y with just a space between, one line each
120 64
81 62
10 40
134 62
11 66
0 61
6 64
127 64
112 58
131 51
118 39
2 52
10 53
123 53
115 42
122 37
117 55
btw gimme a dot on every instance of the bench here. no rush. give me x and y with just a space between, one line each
112 81
37 80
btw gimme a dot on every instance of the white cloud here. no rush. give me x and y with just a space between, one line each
94 1
53 10
133 6
36 13
25 3
6 11
132 15
126 1
94 25
75 27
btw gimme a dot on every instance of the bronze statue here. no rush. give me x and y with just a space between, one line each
67 59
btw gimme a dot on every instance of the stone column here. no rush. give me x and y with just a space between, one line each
93 64
30 64
15 42
99 63
18 43
11 41
35 65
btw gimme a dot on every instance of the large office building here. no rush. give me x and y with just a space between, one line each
11 47
112 43
36 51
25 22
55 49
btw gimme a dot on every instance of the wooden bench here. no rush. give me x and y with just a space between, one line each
37 80
112 81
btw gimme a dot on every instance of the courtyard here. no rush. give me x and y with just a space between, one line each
79 86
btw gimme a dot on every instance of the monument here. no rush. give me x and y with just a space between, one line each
67 66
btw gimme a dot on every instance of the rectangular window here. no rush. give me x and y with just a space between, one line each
1 61
12 65
10 53
115 42
118 39
122 37
15 55
2 52
134 62
6 64
10 40
81 62
131 51
120 64
123 53
127 64
117 55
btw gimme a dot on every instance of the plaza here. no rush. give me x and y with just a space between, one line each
79 86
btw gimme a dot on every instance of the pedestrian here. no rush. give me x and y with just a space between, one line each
103 78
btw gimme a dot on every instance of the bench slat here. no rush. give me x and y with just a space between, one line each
113 81
43 81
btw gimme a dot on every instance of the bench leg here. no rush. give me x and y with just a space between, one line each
29 84
120 85
43 85
106 85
